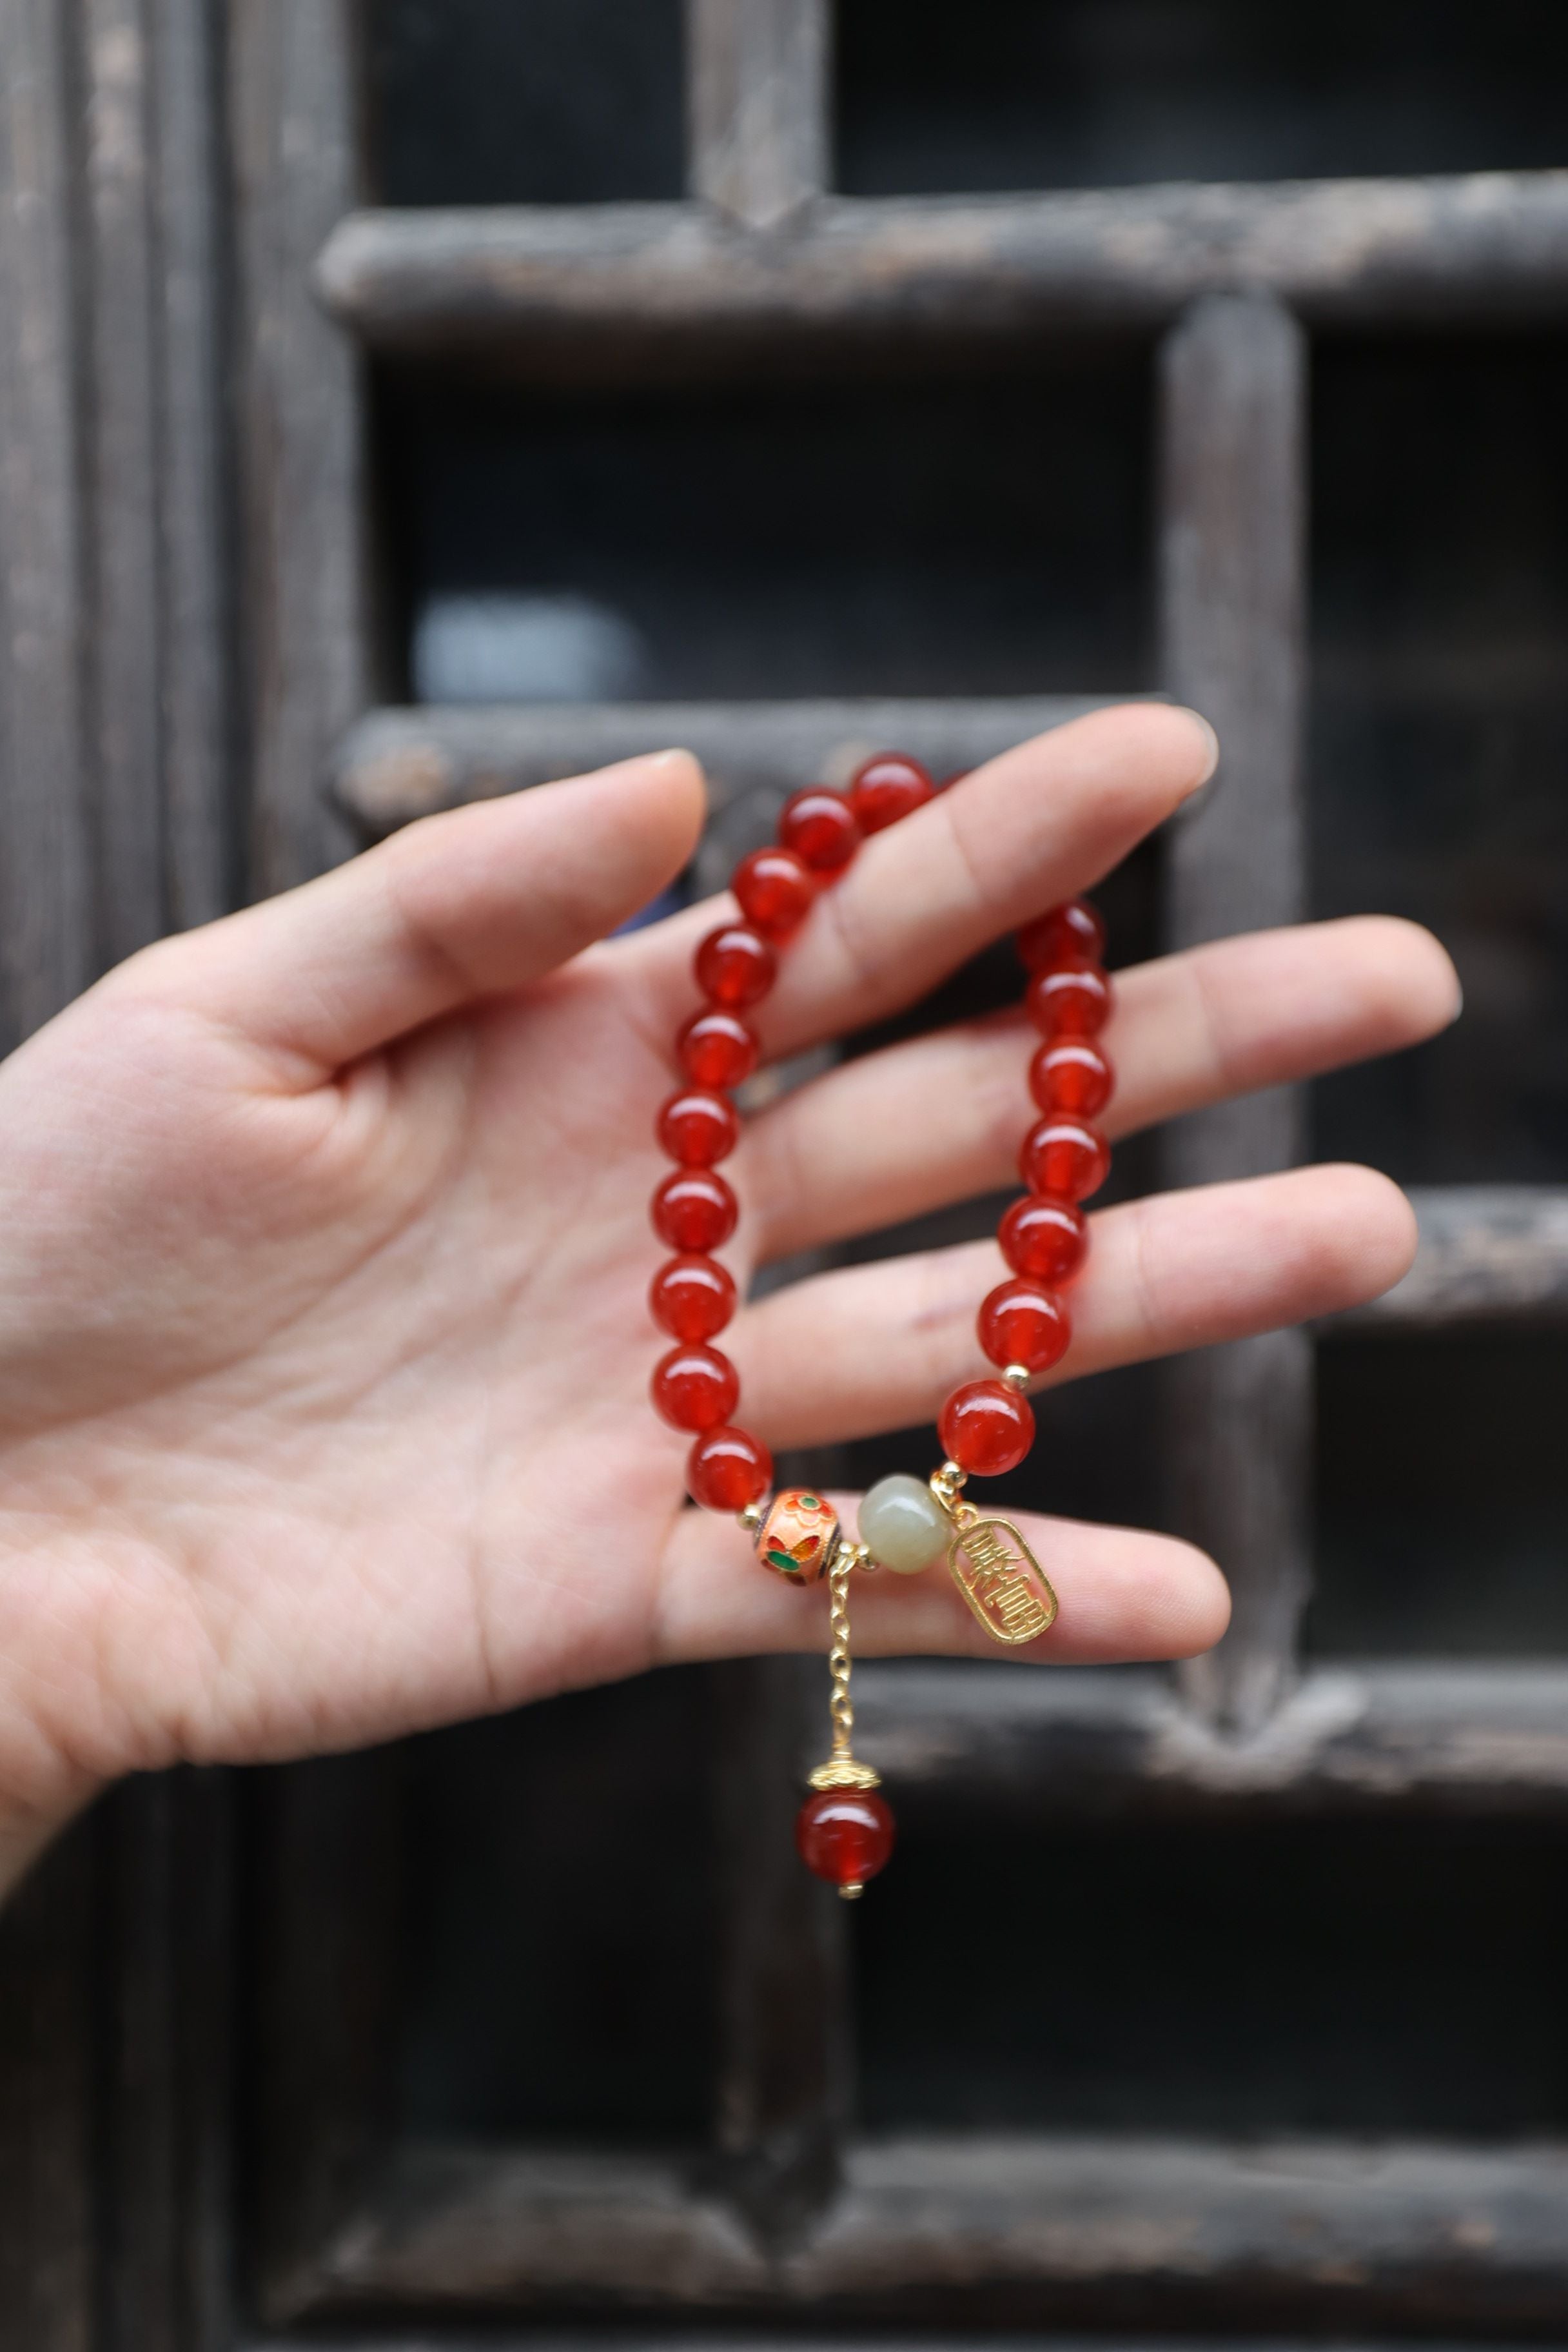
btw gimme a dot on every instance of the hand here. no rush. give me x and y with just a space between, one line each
324 1247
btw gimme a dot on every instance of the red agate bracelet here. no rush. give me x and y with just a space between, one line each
845 1829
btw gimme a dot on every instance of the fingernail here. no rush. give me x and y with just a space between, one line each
1212 760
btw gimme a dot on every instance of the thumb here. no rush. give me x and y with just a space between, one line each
461 905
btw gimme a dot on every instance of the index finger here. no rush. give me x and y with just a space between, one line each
1017 836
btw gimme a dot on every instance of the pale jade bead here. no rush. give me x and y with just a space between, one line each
902 1524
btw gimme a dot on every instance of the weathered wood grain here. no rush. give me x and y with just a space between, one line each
1487 1253
757 105
396 764
1389 253
1233 392
1425 1738
1022 2230
293 80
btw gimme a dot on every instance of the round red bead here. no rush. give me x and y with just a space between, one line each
727 1469
694 1210
695 1388
986 1427
717 1049
1070 1000
1071 1076
692 1298
1019 1323
821 828
735 966
888 788
697 1128
845 1835
775 891
1063 1157
1074 931
1046 1239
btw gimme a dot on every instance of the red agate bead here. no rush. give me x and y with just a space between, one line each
775 891
1073 1075
695 1388
694 1210
1019 1323
1074 931
692 1298
698 1128
888 788
717 1049
728 1468
735 966
1045 1238
986 1428
1063 1157
821 828
845 1835
1070 1000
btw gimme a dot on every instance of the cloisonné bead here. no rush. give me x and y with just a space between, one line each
1043 1238
797 1539
692 1298
775 890
986 1428
1064 1158
1019 1323
697 1127
735 966
728 1468
1071 1076
821 828
902 1524
1069 1001
717 1049
695 1388
694 1210
888 788
845 1835
1073 932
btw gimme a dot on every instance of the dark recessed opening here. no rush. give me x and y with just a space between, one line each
1104 93
1307 1975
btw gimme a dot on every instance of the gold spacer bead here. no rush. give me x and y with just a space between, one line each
851 1893
752 1517
1017 1377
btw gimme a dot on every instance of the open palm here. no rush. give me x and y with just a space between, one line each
324 1249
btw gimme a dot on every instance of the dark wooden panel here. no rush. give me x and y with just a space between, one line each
1233 565
1385 252
1489 1254
757 105
1445 1738
47 2217
1031 2232
398 764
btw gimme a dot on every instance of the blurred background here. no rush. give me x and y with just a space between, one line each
1230 2002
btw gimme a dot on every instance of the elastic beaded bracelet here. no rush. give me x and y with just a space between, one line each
845 1829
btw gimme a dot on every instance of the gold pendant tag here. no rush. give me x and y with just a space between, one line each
1001 1581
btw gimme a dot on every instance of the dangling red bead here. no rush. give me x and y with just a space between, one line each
692 1298
697 1127
727 1469
1046 1239
1071 1076
695 1388
735 966
1070 1000
776 891
1075 931
986 1428
845 1835
694 1210
821 828
1019 1323
717 1049
1064 1158
888 788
